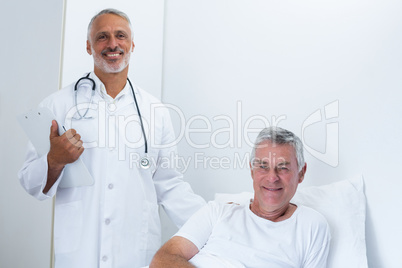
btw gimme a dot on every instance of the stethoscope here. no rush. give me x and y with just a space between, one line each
144 161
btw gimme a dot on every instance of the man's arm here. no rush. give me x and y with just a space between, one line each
174 194
175 253
319 249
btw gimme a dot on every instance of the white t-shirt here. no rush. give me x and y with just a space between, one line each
231 235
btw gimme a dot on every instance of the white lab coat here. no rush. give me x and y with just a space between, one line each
115 222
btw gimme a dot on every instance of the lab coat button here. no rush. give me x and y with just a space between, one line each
107 221
112 107
104 258
110 186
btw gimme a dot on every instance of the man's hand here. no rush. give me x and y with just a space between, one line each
64 149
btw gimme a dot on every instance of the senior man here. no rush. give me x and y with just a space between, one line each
270 231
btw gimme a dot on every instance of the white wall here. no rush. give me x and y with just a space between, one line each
30 55
292 59
283 60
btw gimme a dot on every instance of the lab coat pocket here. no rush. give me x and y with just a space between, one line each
151 228
67 227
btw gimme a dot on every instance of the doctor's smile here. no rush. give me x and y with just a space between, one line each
112 54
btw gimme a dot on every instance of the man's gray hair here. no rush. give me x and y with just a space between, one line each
110 11
280 136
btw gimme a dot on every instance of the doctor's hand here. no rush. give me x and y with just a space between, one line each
64 149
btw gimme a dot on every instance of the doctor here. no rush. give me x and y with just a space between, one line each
114 222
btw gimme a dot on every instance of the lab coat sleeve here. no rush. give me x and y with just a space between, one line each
33 175
175 195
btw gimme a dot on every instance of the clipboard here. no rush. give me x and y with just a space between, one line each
36 123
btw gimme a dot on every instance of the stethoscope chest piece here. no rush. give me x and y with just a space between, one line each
144 162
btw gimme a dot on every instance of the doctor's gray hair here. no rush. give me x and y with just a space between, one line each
110 11
280 136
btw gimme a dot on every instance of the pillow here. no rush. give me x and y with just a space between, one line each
343 204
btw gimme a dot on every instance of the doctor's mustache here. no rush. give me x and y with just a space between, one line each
116 49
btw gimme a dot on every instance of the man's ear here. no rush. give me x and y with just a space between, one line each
302 172
251 171
133 45
89 50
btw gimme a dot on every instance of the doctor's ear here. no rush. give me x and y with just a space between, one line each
133 45
89 50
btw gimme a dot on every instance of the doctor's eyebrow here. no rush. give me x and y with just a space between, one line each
121 32
101 34
118 33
